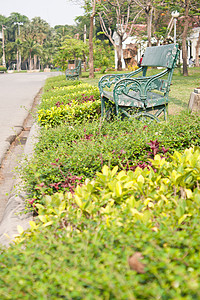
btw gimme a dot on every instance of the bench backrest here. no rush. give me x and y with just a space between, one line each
161 56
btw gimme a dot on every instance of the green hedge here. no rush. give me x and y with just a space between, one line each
58 83
78 101
3 69
82 149
82 246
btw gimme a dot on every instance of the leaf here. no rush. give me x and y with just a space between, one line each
121 175
43 219
118 189
33 225
105 170
182 218
20 229
140 179
188 193
47 224
78 201
114 171
135 264
62 206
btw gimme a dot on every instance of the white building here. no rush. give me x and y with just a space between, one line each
142 44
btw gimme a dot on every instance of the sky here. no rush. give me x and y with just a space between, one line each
54 12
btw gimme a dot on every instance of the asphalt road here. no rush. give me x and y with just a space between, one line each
17 93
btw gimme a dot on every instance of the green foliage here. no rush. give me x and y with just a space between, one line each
61 82
69 92
83 148
103 54
3 69
67 113
65 103
80 247
70 49
170 189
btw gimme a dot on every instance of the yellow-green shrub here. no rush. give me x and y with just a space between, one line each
57 115
170 189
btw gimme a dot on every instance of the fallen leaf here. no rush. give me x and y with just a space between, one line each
135 264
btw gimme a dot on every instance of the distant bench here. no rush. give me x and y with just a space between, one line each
140 97
74 73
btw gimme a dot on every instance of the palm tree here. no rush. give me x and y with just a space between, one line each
30 48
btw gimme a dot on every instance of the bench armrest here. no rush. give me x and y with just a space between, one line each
111 79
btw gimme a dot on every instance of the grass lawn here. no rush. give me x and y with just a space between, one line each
181 86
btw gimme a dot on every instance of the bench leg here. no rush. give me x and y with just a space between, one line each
103 108
166 112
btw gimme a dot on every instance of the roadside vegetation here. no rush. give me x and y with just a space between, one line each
116 203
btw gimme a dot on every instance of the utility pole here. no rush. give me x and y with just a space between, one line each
3 47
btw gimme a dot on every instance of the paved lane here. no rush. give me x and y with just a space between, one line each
17 92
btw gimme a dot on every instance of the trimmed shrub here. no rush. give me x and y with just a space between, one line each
3 69
125 235
50 85
69 103
82 149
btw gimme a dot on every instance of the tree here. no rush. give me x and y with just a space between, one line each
196 21
103 55
184 36
118 16
147 8
30 45
65 30
70 49
90 7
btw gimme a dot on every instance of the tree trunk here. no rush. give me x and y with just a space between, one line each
17 60
119 54
91 59
197 52
148 12
184 38
149 29
30 62
35 62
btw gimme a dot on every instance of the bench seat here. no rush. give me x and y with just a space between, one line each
153 99
140 95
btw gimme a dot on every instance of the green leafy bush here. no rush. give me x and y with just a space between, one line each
83 148
64 104
66 113
3 69
67 90
50 85
82 245
103 54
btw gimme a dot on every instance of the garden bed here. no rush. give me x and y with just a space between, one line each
130 229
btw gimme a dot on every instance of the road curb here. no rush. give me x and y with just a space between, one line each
15 213
17 131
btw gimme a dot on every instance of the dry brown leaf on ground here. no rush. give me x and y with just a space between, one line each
135 264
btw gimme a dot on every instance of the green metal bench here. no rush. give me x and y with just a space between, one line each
140 97
73 74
